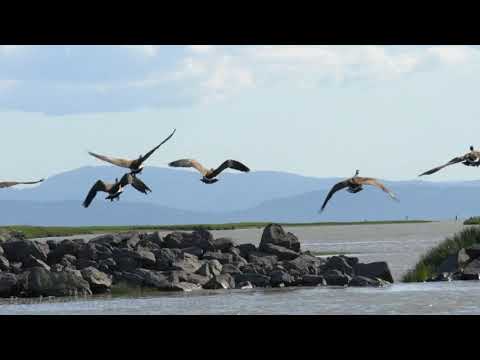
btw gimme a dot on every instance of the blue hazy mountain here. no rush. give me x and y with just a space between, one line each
179 197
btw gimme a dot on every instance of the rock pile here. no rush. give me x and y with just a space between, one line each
464 265
180 261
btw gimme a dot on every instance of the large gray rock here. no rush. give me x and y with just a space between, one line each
223 281
184 276
32 261
472 269
156 238
40 282
304 264
230 269
95 251
210 268
66 247
223 244
99 282
362 281
187 262
184 286
258 280
18 250
83 263
337 280
199 238
68 261
194 250
4 264
312 280
246 249
278 277
157 279
107 266
374 270
166 257
281 252
8 284
338 263
223 258
146 258
473 251
132 241
274 234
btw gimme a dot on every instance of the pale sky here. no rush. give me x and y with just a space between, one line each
390 111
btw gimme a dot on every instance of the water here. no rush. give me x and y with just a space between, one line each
399 244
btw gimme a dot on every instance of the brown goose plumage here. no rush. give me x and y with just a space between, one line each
114 190
470 159
354 185
210 175
6 184
136 165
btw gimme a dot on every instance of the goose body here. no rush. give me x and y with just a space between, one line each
209 175
469 159
136 166
354 185
114 190
7 184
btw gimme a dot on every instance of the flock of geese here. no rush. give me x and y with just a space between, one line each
209 176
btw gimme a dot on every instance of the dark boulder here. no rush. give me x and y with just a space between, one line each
83 263
281 252
278 277
470 276
199 238
32 261
145 258
258 280
155 238
40 282
210 268
374 270
66 247
312 280
473 251
157 279
337 280
305 264
222 281
185 286
450 264
184 276
132 241
223 258
362 281
8 284
112 240
18 250
194 250
68 261
186 262
52 244
230 269
223 244
128 278
472 269
338 263
107 266
4 264
95 251
246 249
16 267
166 257
99 282
274 234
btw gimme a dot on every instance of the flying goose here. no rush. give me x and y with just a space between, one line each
114 190
209 175
136 166
6 184
470 159
354 185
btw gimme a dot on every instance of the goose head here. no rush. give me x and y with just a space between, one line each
471 147
357 172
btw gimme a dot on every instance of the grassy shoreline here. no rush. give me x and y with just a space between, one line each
53 231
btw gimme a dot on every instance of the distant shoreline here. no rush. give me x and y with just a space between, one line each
53 231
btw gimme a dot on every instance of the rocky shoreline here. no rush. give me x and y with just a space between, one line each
464 265
179 261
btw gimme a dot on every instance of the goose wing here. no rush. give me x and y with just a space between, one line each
375 182
438 168
115 161
98 186
339 186
147 155
232 164
6 184
189 163
138 184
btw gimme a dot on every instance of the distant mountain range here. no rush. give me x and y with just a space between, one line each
179 197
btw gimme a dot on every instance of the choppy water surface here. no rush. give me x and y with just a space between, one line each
399 244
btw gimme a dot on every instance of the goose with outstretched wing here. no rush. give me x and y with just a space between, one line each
209 175
7 184
136 166
354 185
470 159
114 190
